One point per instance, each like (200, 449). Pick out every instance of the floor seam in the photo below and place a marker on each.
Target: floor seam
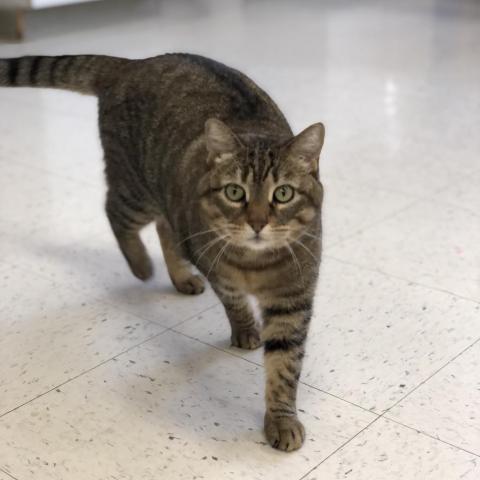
(84, 372)
(211, 307)
(397, 277)
(344, 444)
(260, 365)
(150, 338)
(422, 432)
(8, 474)
(372, 224)
(423, 382)
(103, 302)
(377, 415)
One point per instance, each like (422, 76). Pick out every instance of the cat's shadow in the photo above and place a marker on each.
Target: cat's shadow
(192, 373)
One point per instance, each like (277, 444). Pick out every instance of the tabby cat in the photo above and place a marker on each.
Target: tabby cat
(199, 149)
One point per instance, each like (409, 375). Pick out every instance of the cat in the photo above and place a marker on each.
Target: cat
(199, 149)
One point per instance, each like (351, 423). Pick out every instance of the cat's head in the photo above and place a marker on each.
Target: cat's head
(259, 194)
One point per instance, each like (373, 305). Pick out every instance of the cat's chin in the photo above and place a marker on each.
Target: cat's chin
(259, 245)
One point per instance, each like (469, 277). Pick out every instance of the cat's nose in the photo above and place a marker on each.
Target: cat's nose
(258, 225)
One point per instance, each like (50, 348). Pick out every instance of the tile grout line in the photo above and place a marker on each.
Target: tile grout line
(165, 330)
(372, 224)
(426, 434)
(385, 417)
(8, 474)
(431, 376)
(382, 416)
(344, 444)
(189, 317)
(233, 354)
(201, 312)
(84, 372)
(415, 199)
(391, 275)
(379, 416)
(101, 301)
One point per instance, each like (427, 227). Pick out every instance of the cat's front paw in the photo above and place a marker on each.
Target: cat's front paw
(190, 285)
(247, 339)
(142, 269)
(285, 433)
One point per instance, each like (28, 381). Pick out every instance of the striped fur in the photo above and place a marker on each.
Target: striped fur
(176, 130)
(81, 73)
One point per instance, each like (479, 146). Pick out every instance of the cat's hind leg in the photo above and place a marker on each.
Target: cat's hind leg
(178, 267)
(126, 219)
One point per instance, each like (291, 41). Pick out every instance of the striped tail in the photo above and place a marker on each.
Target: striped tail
(80, 73)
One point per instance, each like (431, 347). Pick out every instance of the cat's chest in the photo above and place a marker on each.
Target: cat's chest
(249, 281)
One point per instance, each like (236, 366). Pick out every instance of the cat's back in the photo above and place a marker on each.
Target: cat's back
(187, 89)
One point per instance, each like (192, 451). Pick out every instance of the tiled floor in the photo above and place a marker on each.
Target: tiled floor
(102, 377)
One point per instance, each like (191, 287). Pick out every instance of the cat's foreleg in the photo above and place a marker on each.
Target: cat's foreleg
(178, 267)
(245, 330)
(285, 332)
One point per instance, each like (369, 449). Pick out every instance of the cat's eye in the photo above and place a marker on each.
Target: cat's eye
(234, 192)
(283, 194)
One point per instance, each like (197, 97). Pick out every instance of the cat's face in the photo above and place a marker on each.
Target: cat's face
(260, 196)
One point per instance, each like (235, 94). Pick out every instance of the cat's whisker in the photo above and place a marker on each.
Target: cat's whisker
(216, 260)
(197, 234)
(316, 237)
(207, 247)
(295, 259)
(306, 248)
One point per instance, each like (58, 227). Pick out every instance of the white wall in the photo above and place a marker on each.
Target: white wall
(53, 3)
(37, 3)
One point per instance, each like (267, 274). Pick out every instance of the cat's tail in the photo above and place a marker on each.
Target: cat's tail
(80, 73)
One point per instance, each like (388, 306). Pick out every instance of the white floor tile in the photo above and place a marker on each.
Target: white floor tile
(389, 451)
(60, 140)
(448, 405)
(372, 338)
(349, 207)
(4, 476)
(431, 243)
(96, 267)
(172, 408)
(465, 194)
(33, 200)
(402, 122)
(51, 334)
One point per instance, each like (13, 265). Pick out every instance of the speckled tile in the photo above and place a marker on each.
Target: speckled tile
(372, 339)
(62, 140)
(389, 451)
(349, 207)
(402, 122)
(413, 165)
(51, 334)
(172, 408)
(431, 243)
(95, 266)
(448, 405)
(465, 193)
(4, 476)
(33, 200)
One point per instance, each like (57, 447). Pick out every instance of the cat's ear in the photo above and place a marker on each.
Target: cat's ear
(221, 142)
(307, 145)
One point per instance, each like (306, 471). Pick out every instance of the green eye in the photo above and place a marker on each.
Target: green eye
(234, 192)
(283, 194)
